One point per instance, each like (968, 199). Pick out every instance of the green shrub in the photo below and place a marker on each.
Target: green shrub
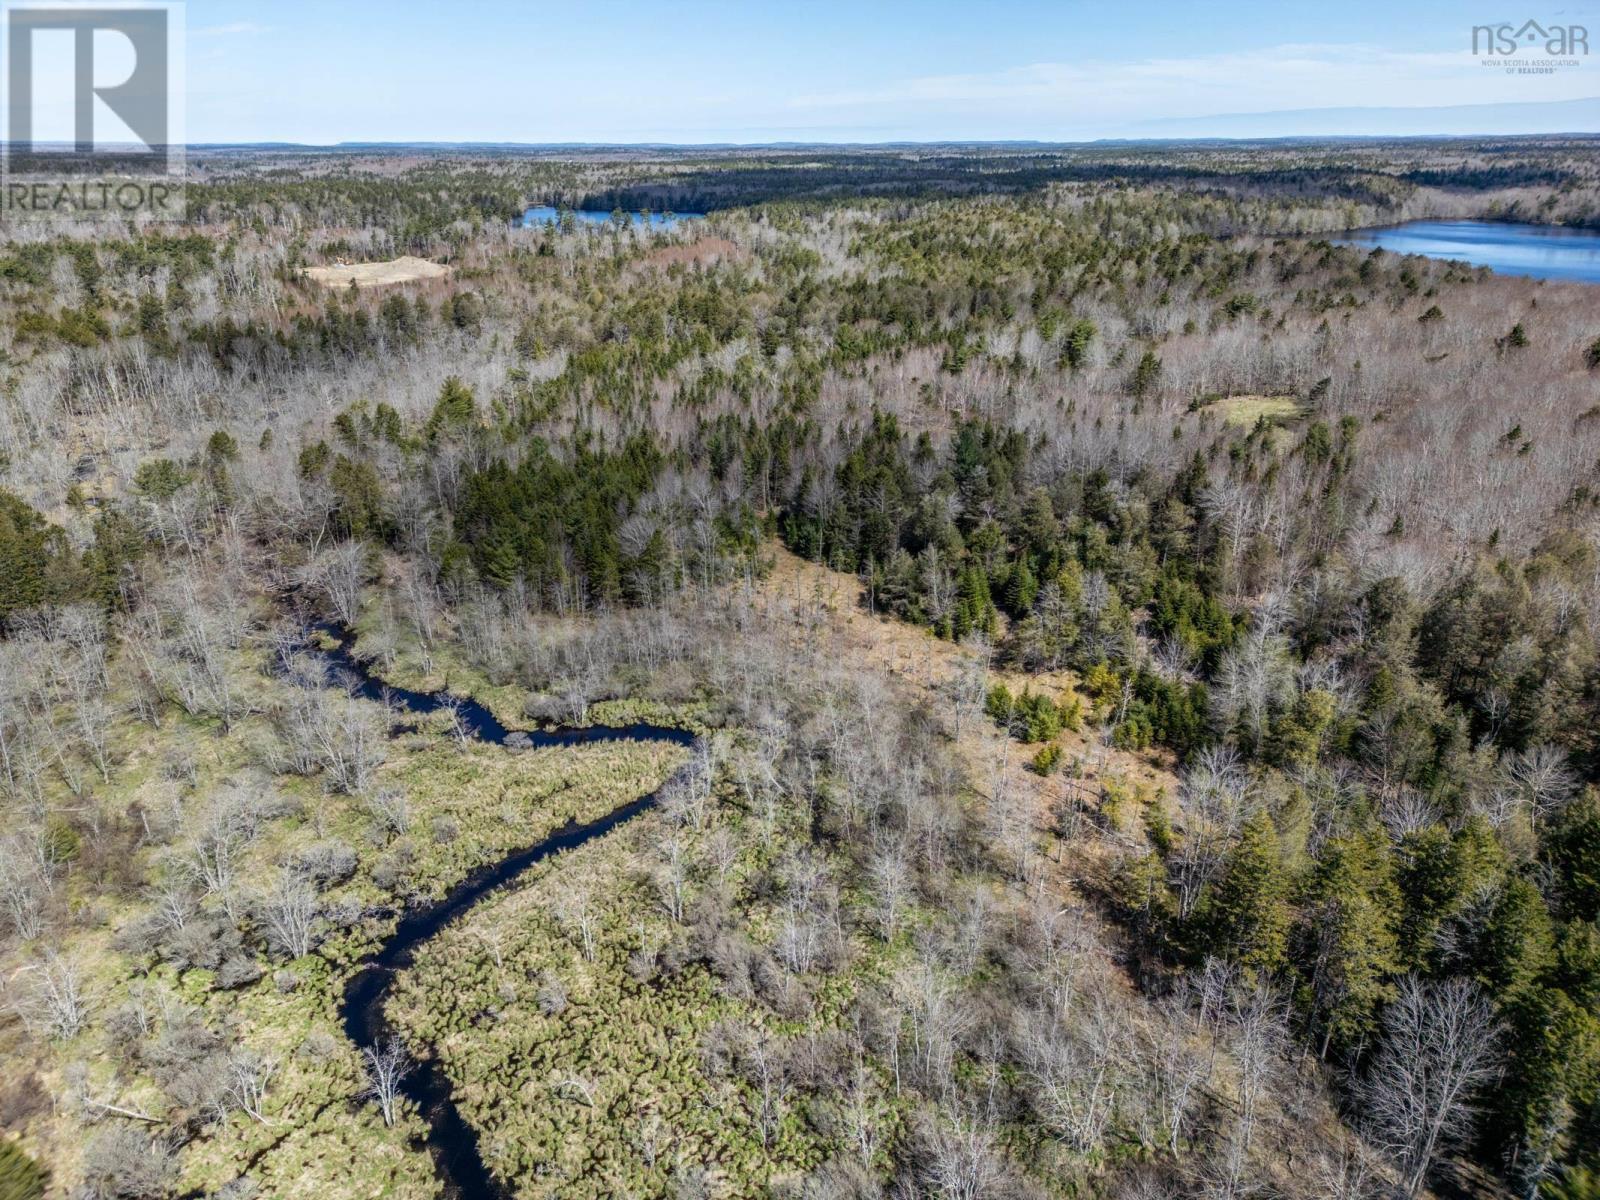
(1031, 717)
(20, 1177)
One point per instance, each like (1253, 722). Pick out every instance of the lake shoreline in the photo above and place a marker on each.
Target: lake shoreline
(1553, 253)
(538, 215)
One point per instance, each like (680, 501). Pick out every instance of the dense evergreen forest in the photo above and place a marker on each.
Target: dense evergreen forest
(1195, 791)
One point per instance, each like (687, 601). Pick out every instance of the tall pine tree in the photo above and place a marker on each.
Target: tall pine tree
(1245, 916)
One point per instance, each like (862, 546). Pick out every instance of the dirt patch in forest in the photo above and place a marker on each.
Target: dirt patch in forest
(701, 252)
(405, 269)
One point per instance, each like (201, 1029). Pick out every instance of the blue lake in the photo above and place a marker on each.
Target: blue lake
(543, 214)
(1537, 251)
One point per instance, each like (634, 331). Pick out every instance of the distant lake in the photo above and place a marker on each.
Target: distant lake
(1537, 251)
(544, 215)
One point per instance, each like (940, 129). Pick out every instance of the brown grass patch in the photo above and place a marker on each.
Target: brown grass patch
(922, 668)
(1244, 411)
(701, 252)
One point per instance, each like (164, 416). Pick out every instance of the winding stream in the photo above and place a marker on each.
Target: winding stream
(451, 1140)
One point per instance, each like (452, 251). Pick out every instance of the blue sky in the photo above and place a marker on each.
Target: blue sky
(837, 70)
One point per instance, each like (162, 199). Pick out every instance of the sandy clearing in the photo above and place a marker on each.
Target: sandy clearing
(405, 269)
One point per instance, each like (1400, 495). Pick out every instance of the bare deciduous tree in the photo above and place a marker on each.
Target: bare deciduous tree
(337, 574)
(342, 735)
(387, 1065)
(864, 1121)
(576, 914)
(1348, 1174)
(1074, 1072)
(1438, 1048)
(291, 915)
(53, 996)
(1182, 1070)
(121, 1161)
(672, 876)
(965, 1162)
(248, 1074)
(937, 1014)
(25, 881)
(1259, 1028)
(391, 810)
(1215, 802)
(454, 710)
(230, 823)
(1542, 780)
(892, 886)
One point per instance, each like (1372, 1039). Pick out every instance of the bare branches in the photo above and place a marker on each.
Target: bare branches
(52, 997)
(248, 1075)
(1215, 801)
(337, 575)
(1542, 781)
(576, 914)
(387, 1064)
(27, 872)
(339, 734)
(1075, 1071)
(291, 914)
(391, 810)
(1438, 1049)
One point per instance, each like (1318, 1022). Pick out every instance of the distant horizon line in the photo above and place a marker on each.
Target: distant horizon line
(1576, 118)
(810, 144)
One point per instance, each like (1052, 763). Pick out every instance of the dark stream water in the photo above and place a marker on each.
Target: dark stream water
(452, 1142)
